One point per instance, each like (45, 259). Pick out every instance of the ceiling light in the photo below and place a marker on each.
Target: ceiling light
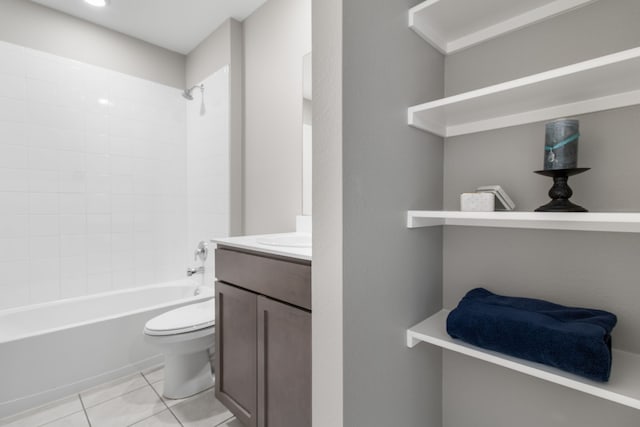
(97, 3)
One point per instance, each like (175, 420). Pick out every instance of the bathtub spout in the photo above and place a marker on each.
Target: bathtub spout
(192, 271)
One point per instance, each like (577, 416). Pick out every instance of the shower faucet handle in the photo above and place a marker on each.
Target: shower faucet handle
(202, 251)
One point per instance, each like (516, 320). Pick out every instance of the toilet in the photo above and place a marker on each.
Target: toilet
(184, 336)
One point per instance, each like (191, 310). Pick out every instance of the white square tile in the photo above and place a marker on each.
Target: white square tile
(43, 66)
(12, 133)
(73, 246)
(45, 291)
(47, 413)
(122, 203)
(46, 246)
(121, 165)
(71, 288)
(14, 180)
(98, 183)
(73, 225)
(121, 146)
(96, 124)
(42, 270)
(41, 91)
(98, 203)
(73, 268)
(14, 203)
(98, 264)
(98, 224)
(73, 203)
(123, 279)
(98, 164)
(73, 182)
(43, 159)
(126, 409)
(71, 139)
(12, 86)
(72, 161)
(43, 204)
(123, 262)
(13, 272)
(14, 226)
(13, 295)
(122, 223)
(44, 225)
(122, 184)
(98, 283)
(201, 410)
(13, 110)
(13, 248)
(112, 389)
(122, 243)
(97, 143)
(44, 181)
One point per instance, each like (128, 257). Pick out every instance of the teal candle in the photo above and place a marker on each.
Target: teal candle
(561, 144)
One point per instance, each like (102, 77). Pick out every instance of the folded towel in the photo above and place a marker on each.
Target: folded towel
(576, 340)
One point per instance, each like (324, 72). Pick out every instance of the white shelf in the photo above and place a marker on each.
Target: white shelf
(582, 221)
(453, 25)
(623, 386)
(603, 83)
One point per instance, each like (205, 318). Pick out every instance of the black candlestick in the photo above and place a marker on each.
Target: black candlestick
(560, 192)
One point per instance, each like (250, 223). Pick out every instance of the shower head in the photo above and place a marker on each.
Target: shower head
(188, 93)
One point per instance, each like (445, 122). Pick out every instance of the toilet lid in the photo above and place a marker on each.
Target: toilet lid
(189, 318)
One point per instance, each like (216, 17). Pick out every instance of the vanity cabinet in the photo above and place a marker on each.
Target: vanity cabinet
(263, 337)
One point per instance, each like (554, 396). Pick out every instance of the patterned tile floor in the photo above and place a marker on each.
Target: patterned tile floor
(135, 400)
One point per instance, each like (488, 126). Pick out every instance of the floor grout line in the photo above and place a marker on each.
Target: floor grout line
(227, 420)
(115, 397)
(162, 400)
(84, 409)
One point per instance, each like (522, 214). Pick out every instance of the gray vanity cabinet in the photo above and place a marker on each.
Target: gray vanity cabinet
(263, 338)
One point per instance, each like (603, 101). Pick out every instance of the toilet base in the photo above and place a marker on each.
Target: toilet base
(186, 374)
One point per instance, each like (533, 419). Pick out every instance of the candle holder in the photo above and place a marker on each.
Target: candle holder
(560, 192)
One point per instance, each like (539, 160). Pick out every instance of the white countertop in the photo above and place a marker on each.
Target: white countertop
(251, 243)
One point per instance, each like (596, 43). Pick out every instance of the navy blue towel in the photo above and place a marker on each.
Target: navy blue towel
(576, 340)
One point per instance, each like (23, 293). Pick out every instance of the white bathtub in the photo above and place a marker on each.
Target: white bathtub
(51, 350)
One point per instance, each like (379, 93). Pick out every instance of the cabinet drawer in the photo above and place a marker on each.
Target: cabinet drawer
(280, 279)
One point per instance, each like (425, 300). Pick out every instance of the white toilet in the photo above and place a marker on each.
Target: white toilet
(185, 336)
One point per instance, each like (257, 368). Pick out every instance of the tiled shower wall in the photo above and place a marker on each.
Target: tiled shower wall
(93, 179)
(208, 164)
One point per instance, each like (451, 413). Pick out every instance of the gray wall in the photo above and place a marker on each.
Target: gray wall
(391, 275)
(327, 195)
(276, 37)
(574, 268)
(32, 25)
(224, 46)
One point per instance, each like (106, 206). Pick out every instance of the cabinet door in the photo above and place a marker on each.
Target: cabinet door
(236, 339)
(284, 365)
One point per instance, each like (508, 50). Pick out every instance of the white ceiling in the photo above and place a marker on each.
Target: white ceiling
(177, 25)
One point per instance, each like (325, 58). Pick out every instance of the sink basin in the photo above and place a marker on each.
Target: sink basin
(292, 241)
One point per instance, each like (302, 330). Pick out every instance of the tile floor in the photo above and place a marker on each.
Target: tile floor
(135, 400)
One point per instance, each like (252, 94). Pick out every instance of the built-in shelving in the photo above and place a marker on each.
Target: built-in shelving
(623, 386)
(624, 222)
(453, 25)
(603, 83)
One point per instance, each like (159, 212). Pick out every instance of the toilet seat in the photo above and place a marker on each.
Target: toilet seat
(190, 318)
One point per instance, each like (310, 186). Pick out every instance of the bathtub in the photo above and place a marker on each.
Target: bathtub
(52, 350)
